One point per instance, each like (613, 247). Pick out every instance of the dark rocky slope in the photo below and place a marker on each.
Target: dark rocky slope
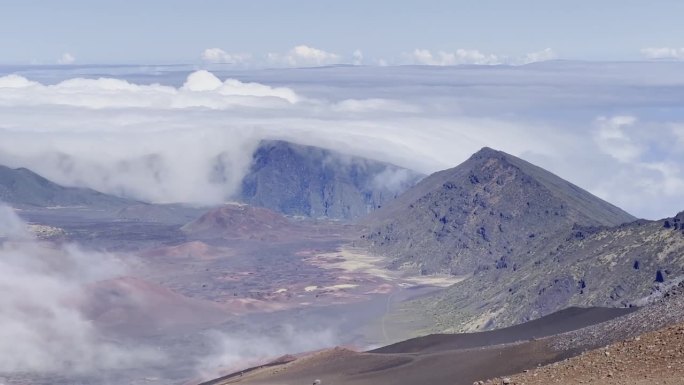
(619, 266)
(309, 181)
(493, 211)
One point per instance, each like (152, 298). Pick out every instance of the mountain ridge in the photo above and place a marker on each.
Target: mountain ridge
(482, 213)
(22, 186)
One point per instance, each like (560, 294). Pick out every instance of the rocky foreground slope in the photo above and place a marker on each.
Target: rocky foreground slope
(314, 182)
(492, 211)
(642, 348)
(653, 358)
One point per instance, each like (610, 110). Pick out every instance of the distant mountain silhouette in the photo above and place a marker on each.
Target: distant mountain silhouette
(24, 187)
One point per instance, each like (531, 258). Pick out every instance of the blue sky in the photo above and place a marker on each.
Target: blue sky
(175, 31)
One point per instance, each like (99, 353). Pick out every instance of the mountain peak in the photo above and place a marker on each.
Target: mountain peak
(482, 214)
(488, 152)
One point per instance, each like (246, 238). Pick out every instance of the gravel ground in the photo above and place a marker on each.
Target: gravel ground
(644, 347)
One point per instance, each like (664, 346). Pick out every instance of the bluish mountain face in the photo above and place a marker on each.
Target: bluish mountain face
(314, 182)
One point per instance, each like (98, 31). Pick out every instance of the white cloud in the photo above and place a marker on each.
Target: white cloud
(43, 328)
(217, 55)
(201, 89)
(205, 81)
(533, 57)
(151, 142)
(66, 58)
(304, 56)
(16, 81)
(611, 138)
(461, 56)
(307, 56)
(357, 58)
(473, 56)
(663, 53)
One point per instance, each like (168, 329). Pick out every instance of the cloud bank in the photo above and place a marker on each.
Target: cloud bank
(603, 126)
(41, 286)
(663, 53)
(307, 56)
(474, 57)
(298, 56)
(217, 55)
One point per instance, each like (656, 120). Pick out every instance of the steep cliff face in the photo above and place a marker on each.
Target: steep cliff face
(492, 211)
(309, 181)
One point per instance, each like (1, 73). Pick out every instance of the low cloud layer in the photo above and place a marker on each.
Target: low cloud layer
(41, 289)
(154, 136)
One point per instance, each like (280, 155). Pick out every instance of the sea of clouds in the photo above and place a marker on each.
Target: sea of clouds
(156, 133)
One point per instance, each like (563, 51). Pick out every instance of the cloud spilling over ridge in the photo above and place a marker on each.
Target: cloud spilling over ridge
(597, 125)
(41, 287)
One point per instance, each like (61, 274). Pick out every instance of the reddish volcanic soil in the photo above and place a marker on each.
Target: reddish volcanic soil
(239, 221)
(653, 358)
(437, 359)
(191, 250)
(135, 307)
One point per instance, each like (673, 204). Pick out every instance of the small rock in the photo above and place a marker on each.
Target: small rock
(506, 381)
